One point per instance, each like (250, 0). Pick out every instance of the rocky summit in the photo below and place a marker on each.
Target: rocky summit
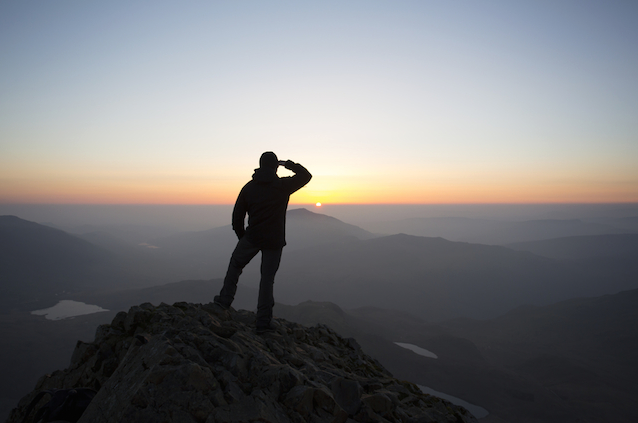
(193, 363)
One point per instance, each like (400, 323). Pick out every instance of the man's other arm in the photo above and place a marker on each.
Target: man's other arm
(300, 178)
(239, 215)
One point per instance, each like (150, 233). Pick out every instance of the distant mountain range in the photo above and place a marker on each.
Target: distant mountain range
(326, 260)
(498, 232)
(38, 263)
(583, 247)
(437, 279)
(205, 254)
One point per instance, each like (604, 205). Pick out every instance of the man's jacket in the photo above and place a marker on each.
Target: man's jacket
(265, 199)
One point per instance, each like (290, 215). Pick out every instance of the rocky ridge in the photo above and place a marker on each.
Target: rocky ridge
(193, 363)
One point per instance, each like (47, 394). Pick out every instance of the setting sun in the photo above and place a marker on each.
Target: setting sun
(318, 204)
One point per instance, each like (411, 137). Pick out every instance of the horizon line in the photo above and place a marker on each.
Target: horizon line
(338, 204)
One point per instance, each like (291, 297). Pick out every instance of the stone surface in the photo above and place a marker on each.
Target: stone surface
(194, 363)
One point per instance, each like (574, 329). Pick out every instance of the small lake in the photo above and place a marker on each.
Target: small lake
(67, 309)
(478, 412)
(418, 350)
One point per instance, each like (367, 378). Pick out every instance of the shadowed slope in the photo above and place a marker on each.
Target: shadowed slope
(37, 261)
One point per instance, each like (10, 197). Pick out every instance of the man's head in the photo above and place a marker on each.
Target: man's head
(269, 160)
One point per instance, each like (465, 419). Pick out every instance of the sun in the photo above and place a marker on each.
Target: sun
(318, 204)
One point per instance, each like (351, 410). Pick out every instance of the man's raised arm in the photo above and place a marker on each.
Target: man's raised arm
(300, 178)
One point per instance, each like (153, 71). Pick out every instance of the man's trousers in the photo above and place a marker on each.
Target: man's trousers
(242, 255)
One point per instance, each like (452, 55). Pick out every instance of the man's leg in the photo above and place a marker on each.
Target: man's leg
(244, 252)
(269, 265)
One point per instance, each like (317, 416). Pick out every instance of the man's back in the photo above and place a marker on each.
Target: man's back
(265, 199)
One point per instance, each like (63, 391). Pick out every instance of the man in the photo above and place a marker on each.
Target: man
(265, 199)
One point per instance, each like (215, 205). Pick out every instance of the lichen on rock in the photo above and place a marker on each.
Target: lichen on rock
(194, 363)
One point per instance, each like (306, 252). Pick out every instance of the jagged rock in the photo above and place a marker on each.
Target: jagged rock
(191, 363)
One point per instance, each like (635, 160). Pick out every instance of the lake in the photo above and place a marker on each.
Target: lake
(66, 309)
(417, 349)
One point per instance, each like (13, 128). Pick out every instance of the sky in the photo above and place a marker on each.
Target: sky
(385, 102)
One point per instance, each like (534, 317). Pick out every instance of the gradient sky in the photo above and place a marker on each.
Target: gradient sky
(383, 101)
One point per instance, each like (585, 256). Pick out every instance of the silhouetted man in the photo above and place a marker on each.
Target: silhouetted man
(265, 199)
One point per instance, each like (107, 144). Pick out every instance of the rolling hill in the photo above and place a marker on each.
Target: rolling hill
(435, 278)
(38, 262)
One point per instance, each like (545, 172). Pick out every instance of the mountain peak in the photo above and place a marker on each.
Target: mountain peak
(301, 210)
(305, 213)
(196, 363)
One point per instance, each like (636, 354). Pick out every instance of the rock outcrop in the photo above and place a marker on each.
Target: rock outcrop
(192, 363)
